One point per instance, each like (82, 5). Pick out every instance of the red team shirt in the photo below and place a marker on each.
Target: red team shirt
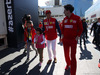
(50, 29)
(71, 27)
(26, 34)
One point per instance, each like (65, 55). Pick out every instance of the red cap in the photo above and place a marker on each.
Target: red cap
(48, 11)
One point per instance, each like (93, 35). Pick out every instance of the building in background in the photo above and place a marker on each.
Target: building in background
(53, 2)
(80, 5)
(94, 1)
(56, 12)
(3, 26)
(93, 12)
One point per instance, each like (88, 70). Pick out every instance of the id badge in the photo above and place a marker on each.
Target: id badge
(30, 38)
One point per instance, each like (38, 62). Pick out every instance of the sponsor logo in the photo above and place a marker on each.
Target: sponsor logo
(68, 26)
(50, 22)
(74, 21)
(45, 23)
(50, 27)
(65, 21)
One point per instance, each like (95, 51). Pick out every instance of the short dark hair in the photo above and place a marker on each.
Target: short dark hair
(39, 29)
(83, 19)
(99, 18)
(69, 7)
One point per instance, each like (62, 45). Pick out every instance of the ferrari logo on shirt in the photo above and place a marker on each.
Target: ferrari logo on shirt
(71, 20)
(74, 21)
(50, 27)
(50, 22)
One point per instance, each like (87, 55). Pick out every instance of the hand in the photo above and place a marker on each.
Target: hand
(25, 45)
(77, 38)
(32, 43)
(25, 42)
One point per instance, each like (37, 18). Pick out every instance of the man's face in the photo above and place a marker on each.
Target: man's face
(48, 15)
(66, 12)
(98, 20)
(83, 20)
(28, 25)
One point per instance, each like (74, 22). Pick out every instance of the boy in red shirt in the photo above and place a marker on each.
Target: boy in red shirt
(29, 34)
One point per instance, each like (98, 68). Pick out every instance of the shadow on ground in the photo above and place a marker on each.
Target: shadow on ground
(5, 67)
(22, 69)
(8, 51)
(44, 72)
(88, 42)
(85, 54)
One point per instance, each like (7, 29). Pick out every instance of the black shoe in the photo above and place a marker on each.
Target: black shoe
(49, 62)
(55, 60)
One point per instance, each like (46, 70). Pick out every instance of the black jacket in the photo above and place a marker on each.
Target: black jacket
(94, 27)
(84, 27)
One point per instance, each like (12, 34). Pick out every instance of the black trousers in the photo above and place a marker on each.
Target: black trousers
(82, 37)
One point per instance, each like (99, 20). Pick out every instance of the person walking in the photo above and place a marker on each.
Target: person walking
(29, 34)
(83, 35)
(96, 28)
(98, 34)
(50, 25)
(24, 26)
(93, 28)
(39, 40)
(40, 25)
(71, 30)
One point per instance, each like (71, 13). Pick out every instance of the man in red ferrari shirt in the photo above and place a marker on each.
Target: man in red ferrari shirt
(71, 30)
(50, 27)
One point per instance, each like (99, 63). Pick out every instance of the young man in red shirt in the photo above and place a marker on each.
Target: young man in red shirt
(71, 30)
(50, 26)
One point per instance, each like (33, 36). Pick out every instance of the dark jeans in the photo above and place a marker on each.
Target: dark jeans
(40, 51)
(28, 48)
(82, 37)
(98, 40)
